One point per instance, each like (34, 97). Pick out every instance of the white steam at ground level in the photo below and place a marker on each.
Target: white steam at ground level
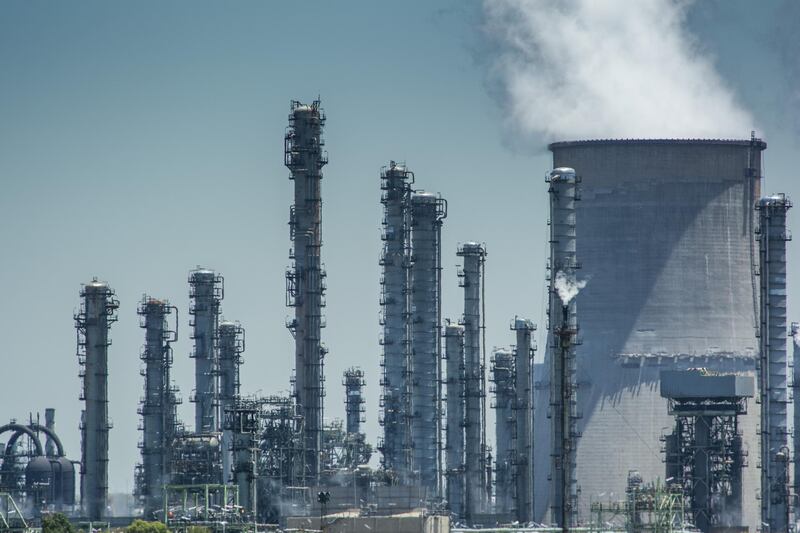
(607, 68)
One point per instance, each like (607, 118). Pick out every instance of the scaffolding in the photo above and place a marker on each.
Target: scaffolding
(563, 323)
(92, 323)
(454, 429)
(231, 346)
(158, 407)
(773, 384)
(280, 449)
(206, 291)
(427, 213)
(523, 419)
(242, 419)
(504, 390)
(647, 508)
(396, 181)
(305, 279)
(475, 453)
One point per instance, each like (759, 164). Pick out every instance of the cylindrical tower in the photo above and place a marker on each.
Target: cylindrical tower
(563, 326)
(476, 499)
(98, 311)
(158, 408)
(305, 285)
(354, 399)
(50, 424)
(454, 430)
(427, 212)
(773, 367)
(795, 332)
(206, 290)
(231, 347)
(523, 419)
(504, 396)
(667, 244)
(396, 183)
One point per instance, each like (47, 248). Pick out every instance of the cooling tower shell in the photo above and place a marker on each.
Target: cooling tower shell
(665, 238)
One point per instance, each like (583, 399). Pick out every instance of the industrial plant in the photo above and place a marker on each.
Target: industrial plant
(658, 402)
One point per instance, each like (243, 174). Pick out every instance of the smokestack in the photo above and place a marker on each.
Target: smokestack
(772, 237)
(50, 423)
(504, 394)
(305, 287)
(206, 290)
(427, 213)
(92, 322)
(231, 347)
(523, 419)
(475, 459)
(454, 431)
(396, 263)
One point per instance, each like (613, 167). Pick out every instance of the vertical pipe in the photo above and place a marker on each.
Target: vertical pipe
(523, 417)
(504, 395)
(50, 423)
(305, 287)
(205, 291)
(396, 183)
(474, 256)
(157, 404)
(562, 316)
(773, 370)
(92, 323)
(231, 346)
(426, 216)
(454, 440)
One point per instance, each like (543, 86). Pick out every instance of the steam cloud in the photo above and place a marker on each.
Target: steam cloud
(567, 286)
(598, 69)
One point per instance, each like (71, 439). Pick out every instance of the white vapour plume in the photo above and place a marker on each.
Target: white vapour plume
(576, 69)
(567, 286)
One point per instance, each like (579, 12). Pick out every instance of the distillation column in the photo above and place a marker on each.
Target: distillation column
(206, 290)
(795, 331)
(427, 212)
(562, 315)
(354, 399)
(231, 347)
(523, 419)
(93, 322)
(772, 237)
(504, 390)
(454, 430)
(305, 286)
(476, 497)
(396, 197)
(158, 409)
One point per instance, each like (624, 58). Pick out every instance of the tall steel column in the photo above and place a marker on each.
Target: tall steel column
(92, 324)
(772, 237)
(523, 419)
(562, 317)
(231, 347)
(305, 287)
(427, 212)
(354, 399)
(472, 277)
(795, 332)
(504, 396)
(206, 290)
(158, 406)
(396, 183)
(454, 430)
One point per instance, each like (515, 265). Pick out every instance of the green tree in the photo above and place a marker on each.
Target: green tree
(56, 523)
(141, 526)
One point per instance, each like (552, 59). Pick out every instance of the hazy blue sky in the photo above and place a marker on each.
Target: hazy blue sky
(140, 139)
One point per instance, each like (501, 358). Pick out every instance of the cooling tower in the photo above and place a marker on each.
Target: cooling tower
(667, 246)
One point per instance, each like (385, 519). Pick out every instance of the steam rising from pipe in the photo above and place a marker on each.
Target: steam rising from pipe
(589, 69)
(567, 286)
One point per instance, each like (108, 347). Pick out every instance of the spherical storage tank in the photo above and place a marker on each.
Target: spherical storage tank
(665, 238)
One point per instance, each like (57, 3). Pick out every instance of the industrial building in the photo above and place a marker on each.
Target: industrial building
(660, 402)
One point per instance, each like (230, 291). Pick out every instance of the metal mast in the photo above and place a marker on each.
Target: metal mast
(305, 285)
(454, 430)
(92, 323)
(395, 259)
(427, 212)
(206, 290)
(472, 278)
(504, 391)
(158, 409)
(231, 347)
(772, 237)
(562, 315)
(523, 417)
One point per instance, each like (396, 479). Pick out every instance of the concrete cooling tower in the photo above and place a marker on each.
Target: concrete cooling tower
(665, 238)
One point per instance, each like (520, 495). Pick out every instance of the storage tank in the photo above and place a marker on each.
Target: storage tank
(667, 246)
